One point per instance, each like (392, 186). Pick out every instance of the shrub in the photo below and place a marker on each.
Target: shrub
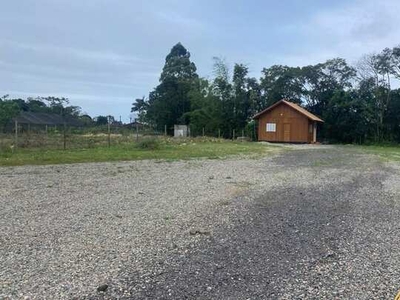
(148, 144)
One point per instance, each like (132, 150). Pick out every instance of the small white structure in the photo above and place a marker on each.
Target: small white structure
(181, 131)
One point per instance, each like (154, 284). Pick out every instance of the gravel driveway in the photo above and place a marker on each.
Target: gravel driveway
(314, 222)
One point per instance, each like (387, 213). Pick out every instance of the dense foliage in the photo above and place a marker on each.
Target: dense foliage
(357, 103)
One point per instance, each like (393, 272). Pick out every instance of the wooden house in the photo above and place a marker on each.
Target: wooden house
(287, 122)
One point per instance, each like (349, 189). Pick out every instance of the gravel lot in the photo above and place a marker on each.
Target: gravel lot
(315, 222)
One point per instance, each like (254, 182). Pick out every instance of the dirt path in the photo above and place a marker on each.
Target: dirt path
(311, 223)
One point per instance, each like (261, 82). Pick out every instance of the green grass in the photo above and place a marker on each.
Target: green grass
(169, 150)
(389, 153)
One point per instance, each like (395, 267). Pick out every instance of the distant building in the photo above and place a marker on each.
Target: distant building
(287, 122)
(35, 118)
(181, 131)
(134, 124)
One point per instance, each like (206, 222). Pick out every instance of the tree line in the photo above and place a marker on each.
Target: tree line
(357, 103)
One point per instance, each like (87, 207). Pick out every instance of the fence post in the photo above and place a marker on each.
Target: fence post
(65, 136)
(242, 133)
(28, 136)
(233, 135)
(165, 130)
(137, 132)
(219, 133)
(203, 132)
(16, 134)
(109, 132)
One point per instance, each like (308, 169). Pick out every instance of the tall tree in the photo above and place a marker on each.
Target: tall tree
(396, 61)
(321, 81)
(241, 101)
(222, 88)
(392, 119)
(36, 105)
(376, 69)
(101, 120)
(56, 104)
(347, 117)
(205, 110)
(254, 95)
(280, 82)
(170, 99)
(140, 106)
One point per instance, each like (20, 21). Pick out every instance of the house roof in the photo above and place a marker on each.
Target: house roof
(292, 105)
(45, 119)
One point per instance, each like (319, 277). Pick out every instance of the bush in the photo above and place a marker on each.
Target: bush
(149, 144)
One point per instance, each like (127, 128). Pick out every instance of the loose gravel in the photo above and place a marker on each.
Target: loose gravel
(315, 222)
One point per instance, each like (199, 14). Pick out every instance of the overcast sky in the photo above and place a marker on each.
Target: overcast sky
(102, 54)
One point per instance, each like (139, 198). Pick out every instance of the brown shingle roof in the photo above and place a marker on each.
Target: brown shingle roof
(292, 105)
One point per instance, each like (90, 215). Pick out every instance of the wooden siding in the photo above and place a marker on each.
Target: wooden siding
(291, 125)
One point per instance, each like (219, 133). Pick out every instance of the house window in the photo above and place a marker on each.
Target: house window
(310, 128)
(271, 127)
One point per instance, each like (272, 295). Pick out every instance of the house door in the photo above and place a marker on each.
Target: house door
(286, 132)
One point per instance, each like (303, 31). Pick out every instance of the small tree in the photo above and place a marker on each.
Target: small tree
(101, 120)
(8, 110)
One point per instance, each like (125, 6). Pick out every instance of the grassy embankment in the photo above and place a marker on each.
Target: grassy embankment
(389, 153)
(166, 149)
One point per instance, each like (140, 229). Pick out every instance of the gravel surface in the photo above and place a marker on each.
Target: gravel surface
(315, 222)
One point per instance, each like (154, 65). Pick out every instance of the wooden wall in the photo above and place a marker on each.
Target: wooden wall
(291, 126)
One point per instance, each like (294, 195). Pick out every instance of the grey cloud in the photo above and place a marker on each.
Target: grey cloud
(103, 53)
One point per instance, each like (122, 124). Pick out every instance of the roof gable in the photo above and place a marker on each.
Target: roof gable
(292, 105)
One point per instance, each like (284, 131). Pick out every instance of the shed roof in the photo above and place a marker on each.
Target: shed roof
(292, 105)
(34, 118)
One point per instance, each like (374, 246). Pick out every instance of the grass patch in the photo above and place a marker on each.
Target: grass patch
(149, 144)
(389, 153)
(168, 149)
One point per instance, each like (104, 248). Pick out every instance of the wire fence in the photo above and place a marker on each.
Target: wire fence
(26, 136)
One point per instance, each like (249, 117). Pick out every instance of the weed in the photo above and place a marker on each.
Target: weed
(149, 144)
